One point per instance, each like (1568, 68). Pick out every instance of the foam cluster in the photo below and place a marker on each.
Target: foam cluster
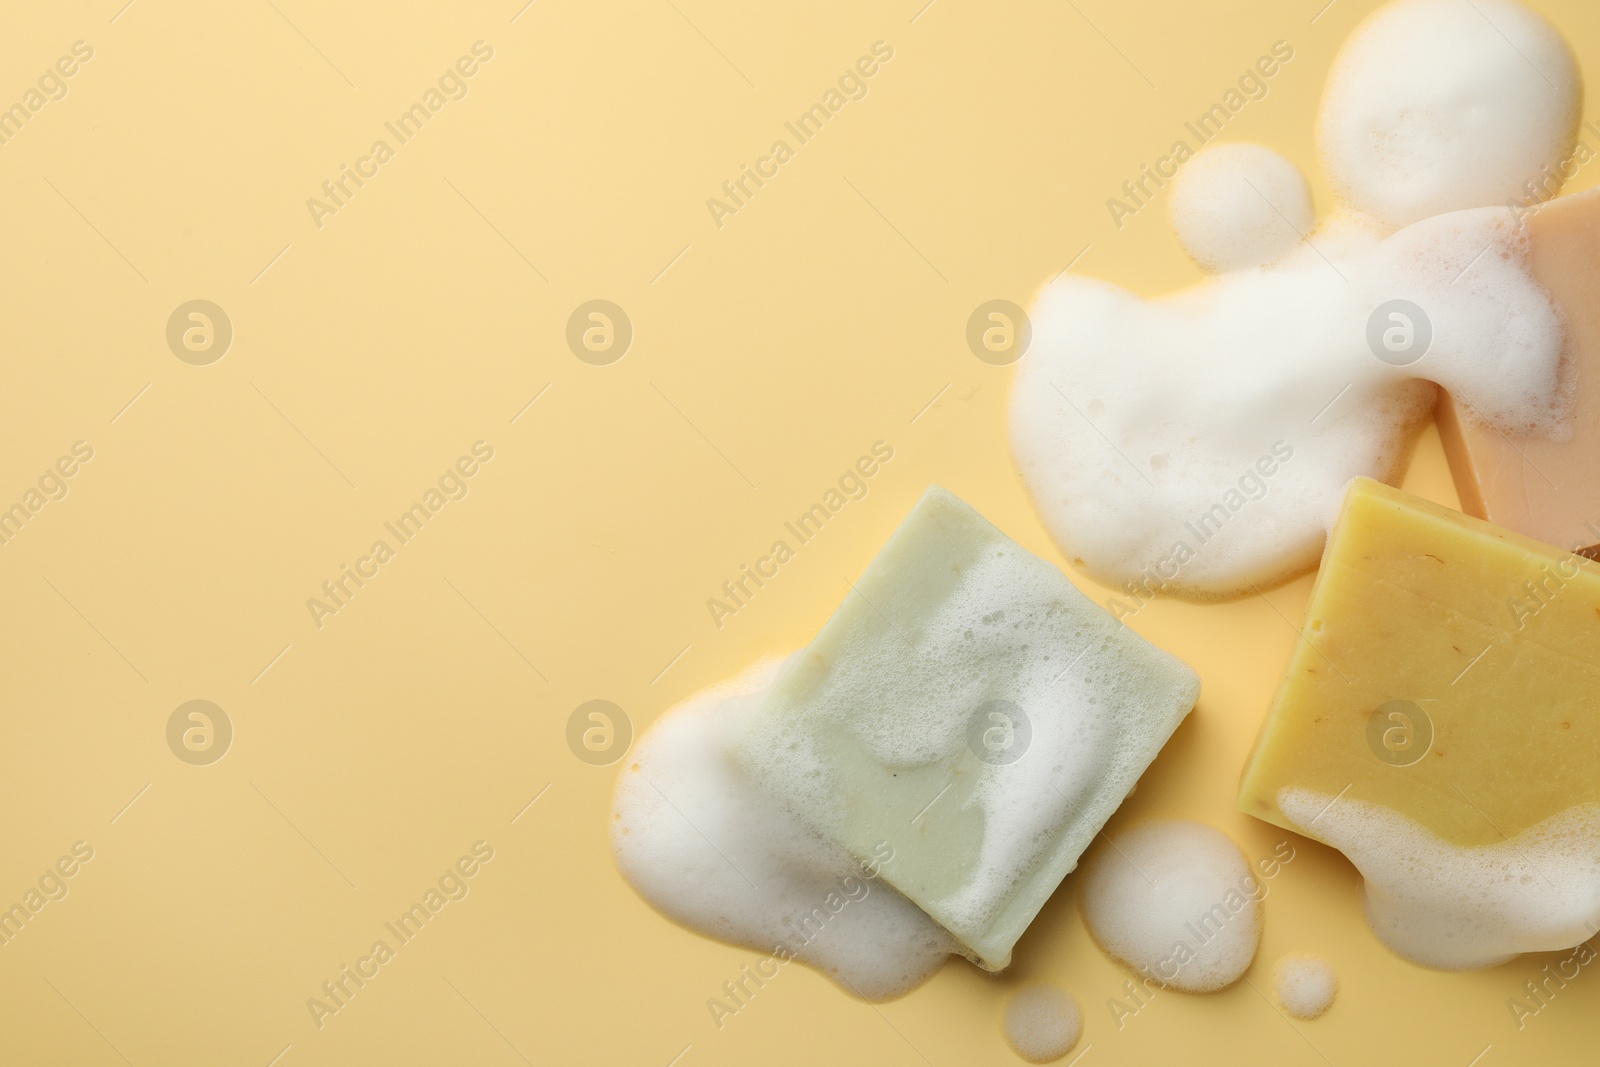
(1458, 907)
(713, 851)
(1176, 901)
(1199, 444)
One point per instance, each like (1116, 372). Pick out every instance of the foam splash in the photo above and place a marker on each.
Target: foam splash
(1199, 444)
(714, 852)
(1176, 901)
(1457, 908)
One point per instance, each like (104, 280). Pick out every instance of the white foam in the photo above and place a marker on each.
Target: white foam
(1455, 907)
(1304, 985)
(1176, 901)
(1438, 105)
(1132, 421)
(1239, 205)
(1042, 1022)
(1254, 397)
(713, 851)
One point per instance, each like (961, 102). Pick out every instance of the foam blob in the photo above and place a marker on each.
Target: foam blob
(1176, 901)
(1042, 1022)
(1438, 105)
(714, 852)
(1199, 444)
(1454, 907)
(1304, 985)
(1239, 205)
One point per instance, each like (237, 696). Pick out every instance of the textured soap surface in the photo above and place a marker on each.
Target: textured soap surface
(970, 709)
(1450, 672)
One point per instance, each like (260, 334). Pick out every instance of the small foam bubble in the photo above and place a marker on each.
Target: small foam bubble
(1176, 901)
(1304, 985)
(1239, 205)
(1454, 907)
(1042, 1022)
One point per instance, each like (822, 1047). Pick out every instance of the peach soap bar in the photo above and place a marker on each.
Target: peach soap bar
(1449, 672)
(965, 723)
(1545, 488)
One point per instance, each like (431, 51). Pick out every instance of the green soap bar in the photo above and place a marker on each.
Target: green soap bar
(970, 715)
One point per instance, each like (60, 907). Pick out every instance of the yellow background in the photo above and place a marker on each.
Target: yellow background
(370, 353)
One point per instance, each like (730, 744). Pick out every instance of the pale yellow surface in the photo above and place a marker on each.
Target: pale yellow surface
(824, 316)
(1498, 726)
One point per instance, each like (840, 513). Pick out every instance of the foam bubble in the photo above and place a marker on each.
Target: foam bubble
(1239, 205)
(1437, 105)
(713, 851)
(1176, 901)
(1042, 1022)
(1454, 907)
(1304, 985)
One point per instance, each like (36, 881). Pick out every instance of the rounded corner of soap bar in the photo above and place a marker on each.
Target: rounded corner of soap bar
(1189, 696)
(996, 965)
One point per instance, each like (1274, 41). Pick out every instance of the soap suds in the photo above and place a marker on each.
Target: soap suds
(1199, 444)
(710, 849)
(1176, 901)
(1304, 985)
(1454, 907)
(1438, 105)
(1239, 205)
(1042, 1022)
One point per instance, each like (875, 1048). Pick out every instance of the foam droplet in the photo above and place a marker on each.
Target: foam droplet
(1176, 901)
(1042, 1022)
(1304, 985)
(1239, 205)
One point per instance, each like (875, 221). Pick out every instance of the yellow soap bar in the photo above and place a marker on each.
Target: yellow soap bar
(1449, 670)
